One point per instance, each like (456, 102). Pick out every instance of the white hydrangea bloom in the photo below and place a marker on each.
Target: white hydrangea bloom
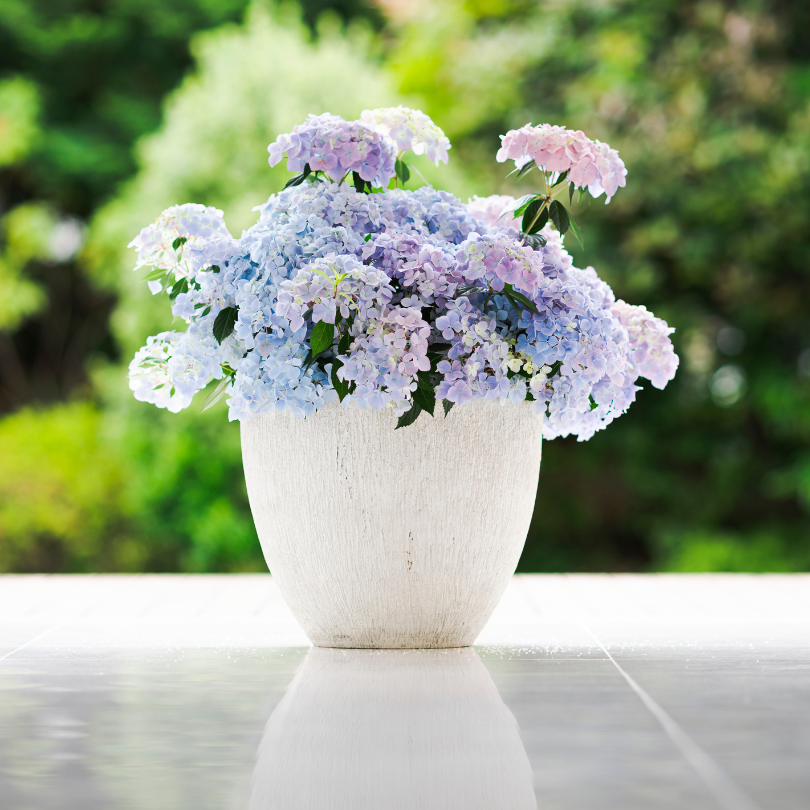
(173, 366)
(409, 129)
(192, 222)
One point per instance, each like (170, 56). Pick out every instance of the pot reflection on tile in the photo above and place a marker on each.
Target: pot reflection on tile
(371, 729)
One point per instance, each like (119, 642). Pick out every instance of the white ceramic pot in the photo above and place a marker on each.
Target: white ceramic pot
(392, 730)
(384, 538)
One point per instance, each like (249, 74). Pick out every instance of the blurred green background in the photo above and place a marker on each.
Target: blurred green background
(111, 110)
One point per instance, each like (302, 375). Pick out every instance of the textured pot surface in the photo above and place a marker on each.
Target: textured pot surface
(384, 538)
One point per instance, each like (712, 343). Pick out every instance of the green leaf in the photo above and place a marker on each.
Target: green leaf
(299, 178)
(447, 405)
(217, 394)
(425, 394)
(367, 237)
(520, 298)
(439, 346)
(205, 312)
(594, 406)
(179, 287)
(576, 231)
(224, 323)
(520, 205)
(559, 216)
(181, 240)
(561, 179)
(155, 274)
(402, 170)
(296, 180)
(571, 194)
(534, 219)
(341, 386)
(533, 240)
(423, 380)
(320, 340)
(524, 169)
(214, 268)
(409, 417)
(359, 183)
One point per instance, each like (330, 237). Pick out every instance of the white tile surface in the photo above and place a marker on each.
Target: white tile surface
(629, 691)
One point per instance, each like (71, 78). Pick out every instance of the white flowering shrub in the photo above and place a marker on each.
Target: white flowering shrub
(352, 289)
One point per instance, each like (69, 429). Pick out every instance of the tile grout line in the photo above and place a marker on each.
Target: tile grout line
(78, 615)
(35, 638)
(725, 790)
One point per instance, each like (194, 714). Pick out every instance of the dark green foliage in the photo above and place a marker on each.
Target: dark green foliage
(182, 287)
(341, 386)
(402, 171)
(518, 300)
(559, 216)
(534, 219)
(320, 340)
(409, 417)
(299, 178)
(362, 186)
(224, 323)
(425, 394)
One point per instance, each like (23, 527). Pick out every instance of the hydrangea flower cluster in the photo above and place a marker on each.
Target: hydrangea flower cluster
(589, 164)
(393, 299)
(409, 129)
(328, 143)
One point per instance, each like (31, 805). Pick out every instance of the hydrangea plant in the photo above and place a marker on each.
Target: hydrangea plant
(351, 288)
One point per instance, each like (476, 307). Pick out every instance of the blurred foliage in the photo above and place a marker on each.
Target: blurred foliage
(183, 504)
(707, 102)
(19, 110)
(709, 105)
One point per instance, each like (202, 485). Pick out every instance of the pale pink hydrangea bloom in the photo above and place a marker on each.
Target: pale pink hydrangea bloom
(409, 129)
(489, 209)
(590, 164)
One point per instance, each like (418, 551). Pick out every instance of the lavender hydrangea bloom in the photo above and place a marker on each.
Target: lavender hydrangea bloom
(651, 353)
(409, 295)
(329, 144)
